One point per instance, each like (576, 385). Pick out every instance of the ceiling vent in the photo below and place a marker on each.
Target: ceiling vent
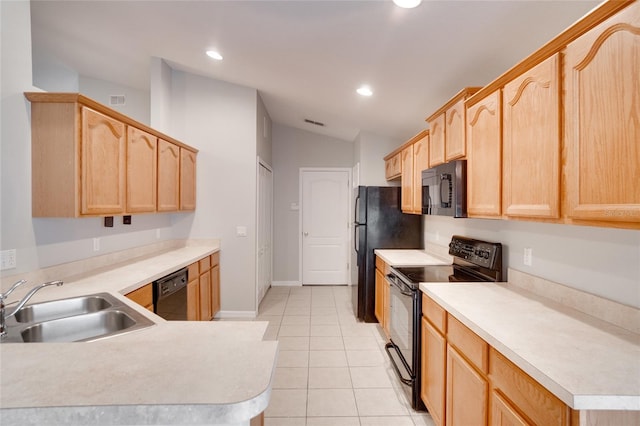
(115, 100)
(317, 123)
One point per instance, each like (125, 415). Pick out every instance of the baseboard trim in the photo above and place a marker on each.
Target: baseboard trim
(236, 314)
(286, 284)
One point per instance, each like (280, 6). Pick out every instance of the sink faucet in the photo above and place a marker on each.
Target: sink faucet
(25, 299)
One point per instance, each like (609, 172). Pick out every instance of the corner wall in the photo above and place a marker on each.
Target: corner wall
(219, 119)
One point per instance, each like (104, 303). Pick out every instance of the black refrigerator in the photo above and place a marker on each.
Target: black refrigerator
(379, 224)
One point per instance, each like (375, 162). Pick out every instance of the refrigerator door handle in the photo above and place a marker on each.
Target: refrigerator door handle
(355, 211)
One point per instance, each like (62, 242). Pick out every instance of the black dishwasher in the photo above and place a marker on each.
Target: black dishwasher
(170, 296)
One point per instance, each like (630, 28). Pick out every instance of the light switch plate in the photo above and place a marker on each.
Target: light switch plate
(241, 231)
(8, 259)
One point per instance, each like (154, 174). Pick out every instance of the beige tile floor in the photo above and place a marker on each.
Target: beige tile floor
(331, 369)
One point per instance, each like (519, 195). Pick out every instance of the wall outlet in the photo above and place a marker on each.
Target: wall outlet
(8, 260)
(157, 233)
(528, 256)
(96, 244)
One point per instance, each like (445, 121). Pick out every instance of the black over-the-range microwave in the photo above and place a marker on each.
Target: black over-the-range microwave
(444, 189)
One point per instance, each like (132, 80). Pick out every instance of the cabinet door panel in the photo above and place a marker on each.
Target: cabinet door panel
(467, 392)
(531, 145)
(187, 180)
(143, 296)
(455, 146)
(434, 367)
(531, 398)
(602, 127)
(168, 176)
(215, 290)
(420, 163)
(141, 171)
(392, 167)
(102, 164)
(205, 296)
(503, 414)
(407, 179)
(484, 157)
(436, 142)
(193, 300)
(379, 297)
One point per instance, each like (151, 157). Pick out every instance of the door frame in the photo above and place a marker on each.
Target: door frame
(347, 259)
(262, 163)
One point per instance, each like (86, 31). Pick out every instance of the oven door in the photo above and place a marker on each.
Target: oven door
(402, 329)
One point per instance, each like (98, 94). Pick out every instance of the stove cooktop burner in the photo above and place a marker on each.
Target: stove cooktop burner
(423, 274)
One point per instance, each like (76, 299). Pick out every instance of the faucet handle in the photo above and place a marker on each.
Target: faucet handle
(13, 287)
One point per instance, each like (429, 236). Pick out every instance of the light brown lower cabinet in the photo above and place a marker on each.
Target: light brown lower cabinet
(215, 290)
(467, 392)
(536, 404)
(503, 414)
(475, 384)
(434, 367)
(193, 292)
(379, 299)
(382, 294)
(203, 289)
(143, 296)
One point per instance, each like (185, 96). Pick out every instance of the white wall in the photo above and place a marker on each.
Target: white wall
(44, 242)
(370, 152)
(52, 76)
(601, 261)
(160, 95)
(219, 119)
(136, 101)
(293, 149)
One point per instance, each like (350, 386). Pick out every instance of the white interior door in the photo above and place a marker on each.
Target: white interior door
(325, 226)
(265, 227)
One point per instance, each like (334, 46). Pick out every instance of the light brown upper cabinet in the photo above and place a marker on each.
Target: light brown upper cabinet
(141, 171)
(187, 180)
(602, 122)
(406, 197)
(90, 160)
(531, 142)
(168, 176)
(484, 157)
(420, 163)
(437, 143)
(102, 164)
(392, 166)
(414, 156)
(447, 129)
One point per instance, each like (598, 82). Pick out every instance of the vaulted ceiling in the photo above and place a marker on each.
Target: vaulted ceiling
(308, 57)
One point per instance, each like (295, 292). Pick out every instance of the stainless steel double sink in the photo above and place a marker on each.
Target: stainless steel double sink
(75, 319)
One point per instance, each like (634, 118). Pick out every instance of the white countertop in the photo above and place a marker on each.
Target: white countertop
(174, 372)
(393, 257)
(586, 362)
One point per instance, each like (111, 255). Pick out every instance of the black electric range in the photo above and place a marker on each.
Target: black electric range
(473, 261)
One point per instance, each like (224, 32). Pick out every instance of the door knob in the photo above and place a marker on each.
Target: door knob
(305, 233)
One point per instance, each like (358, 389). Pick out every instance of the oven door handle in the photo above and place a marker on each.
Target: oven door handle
(387, 347)
(402, 287)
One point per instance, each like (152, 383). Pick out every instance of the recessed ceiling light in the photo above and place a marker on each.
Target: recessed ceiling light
(215, 55)
(407, 4)
(364, 91)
